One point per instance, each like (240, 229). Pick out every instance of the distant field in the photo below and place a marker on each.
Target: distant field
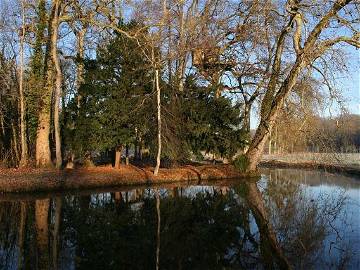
(348, 159)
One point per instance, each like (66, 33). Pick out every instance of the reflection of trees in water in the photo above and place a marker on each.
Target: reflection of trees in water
(211, 229)
(302, 221)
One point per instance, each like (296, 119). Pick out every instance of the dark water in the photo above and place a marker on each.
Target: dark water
(289, 218)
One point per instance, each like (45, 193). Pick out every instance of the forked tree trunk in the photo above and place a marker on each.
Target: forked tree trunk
(272, 103)
(58, 82)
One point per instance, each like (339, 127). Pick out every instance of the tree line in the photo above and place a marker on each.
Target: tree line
(169, 79)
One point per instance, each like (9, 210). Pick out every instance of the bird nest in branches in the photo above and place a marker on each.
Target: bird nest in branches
(209, 59)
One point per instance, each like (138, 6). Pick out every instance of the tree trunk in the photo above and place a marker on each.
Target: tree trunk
(15, 144)
(24, 148)
(118, 151)
(127, 155)
(156, 171)
(43, 152)
(80, 65)
(42, 233)
(58, 82)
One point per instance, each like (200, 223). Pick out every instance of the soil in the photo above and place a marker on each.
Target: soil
(45, 180)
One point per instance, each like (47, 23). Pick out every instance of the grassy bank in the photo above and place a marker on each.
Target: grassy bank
(344, 163)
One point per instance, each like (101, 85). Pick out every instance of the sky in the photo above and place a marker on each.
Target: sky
(351, 83)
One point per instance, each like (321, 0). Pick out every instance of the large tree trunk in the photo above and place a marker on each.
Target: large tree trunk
(24, 148)
(43, 152)
(58, 82)
(118, 151)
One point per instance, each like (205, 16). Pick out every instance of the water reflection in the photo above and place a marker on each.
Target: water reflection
(282, 221)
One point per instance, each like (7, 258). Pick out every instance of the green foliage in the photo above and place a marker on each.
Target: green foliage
(114, 97)
(212, 124)
(241, 162)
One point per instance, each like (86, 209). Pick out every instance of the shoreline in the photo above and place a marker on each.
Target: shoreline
(49, 180)
(332, 168)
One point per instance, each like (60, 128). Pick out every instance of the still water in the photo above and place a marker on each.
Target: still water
(287, 219)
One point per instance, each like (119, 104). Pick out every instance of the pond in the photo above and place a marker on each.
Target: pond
(287, 219)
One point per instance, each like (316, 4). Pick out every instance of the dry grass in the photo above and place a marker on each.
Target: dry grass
(341, 159)
(32, 180)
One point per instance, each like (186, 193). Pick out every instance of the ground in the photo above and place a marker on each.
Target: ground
(31, 180)
(347, 163)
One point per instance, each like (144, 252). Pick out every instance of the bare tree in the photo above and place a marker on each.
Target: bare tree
(313, 47)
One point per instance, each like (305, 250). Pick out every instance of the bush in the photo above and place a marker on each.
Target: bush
(241, 163)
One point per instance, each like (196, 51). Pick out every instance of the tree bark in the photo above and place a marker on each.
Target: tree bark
(80, 65)
(118, 151)
(43, 152)
(158, 157)
(15, 143)
(24, 148)
(58, 82)
(127, 155)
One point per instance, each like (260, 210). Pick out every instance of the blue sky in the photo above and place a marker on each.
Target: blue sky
(351, 83)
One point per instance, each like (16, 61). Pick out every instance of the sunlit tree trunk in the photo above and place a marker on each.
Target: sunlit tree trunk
(158, 96)
(118, 151)
(24, 148)
(58, 82)
(43, 152)
(80, 65)
(15, 142)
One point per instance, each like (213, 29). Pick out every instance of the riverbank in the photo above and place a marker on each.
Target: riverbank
(37, 180)
(350, 170)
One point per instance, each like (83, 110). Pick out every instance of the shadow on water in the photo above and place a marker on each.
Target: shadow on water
(289, 219)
